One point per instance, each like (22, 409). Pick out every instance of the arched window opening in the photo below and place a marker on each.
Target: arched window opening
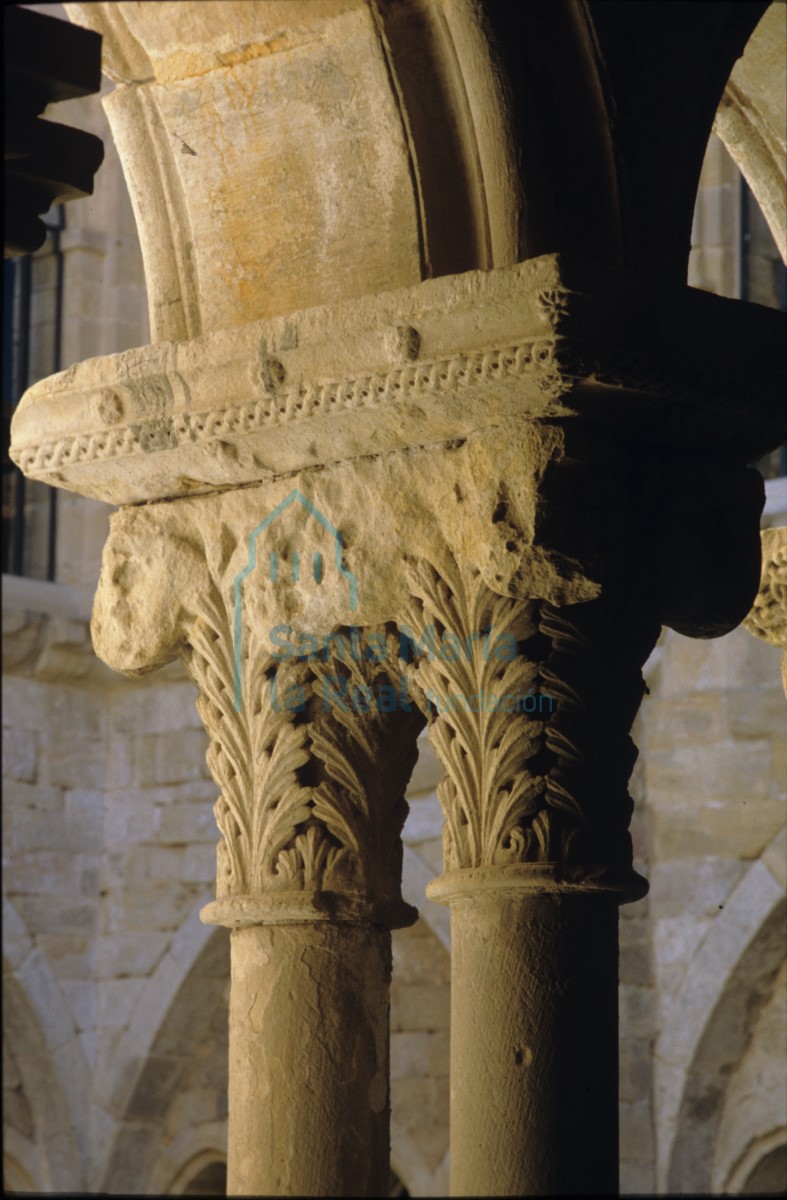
(769, 1177)
(211, 1180)
(203, 1175)
(733, 251)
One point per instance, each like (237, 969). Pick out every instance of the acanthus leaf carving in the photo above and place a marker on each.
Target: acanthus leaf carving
(312, 795)
(488, 794)
(768, 617)
(254, 756)
(364, 760)
(546, 781)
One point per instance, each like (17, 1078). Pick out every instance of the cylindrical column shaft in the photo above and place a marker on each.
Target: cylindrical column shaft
(534, 1051)
(309, 1060)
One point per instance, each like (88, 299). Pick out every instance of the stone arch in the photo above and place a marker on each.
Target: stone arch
(754, 1117)
(757, 1153)
(451, 162)
(17, 942)
(413, 182)
(50, 1151)
(197, 1169)
(20, 1162)
(153, 1004)
(194, 1026)
(751, 119)
(52, 1065)
(20, 1153)
(728, 982)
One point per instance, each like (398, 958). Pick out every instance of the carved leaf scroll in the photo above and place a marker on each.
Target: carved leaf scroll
(547, 781)
(312, 795)
(488, 795)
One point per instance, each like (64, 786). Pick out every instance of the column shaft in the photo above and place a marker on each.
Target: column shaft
(534, 1051)
(308, 1060)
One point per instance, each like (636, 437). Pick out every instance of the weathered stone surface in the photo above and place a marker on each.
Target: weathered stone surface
(752, 118)
(768, 617)
(333, 983)
(495, 348)
(647, 367)
(528, 1059)
(19, 755)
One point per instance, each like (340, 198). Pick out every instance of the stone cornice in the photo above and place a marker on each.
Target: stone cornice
(422, 365)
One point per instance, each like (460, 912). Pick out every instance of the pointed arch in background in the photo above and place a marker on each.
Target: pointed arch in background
(49, 1157)
(763, 1169)
(132, 1050)
(203, 1175)
(194, 1025)
(725, 987)
(752, 119)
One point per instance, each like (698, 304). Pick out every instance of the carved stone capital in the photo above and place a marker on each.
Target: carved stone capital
(551, 542)
(530, 708)
(768, 617)
(553, 449)
(312, 789)
(312, 773)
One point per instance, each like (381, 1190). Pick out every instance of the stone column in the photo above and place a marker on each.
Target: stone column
(311, 810)
(531, 721)
(312, 773)
(534, 1037)
(308, 1059)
